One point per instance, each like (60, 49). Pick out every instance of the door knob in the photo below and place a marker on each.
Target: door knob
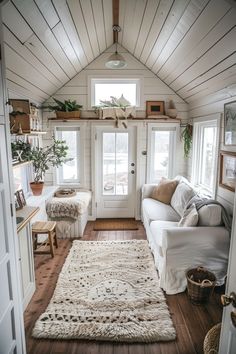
(132, 164)
(233, 318)
(132, 171)
(229, 299)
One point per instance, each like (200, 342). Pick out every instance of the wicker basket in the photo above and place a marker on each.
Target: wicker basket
(200, 284)
(68, 115)
(212, 339)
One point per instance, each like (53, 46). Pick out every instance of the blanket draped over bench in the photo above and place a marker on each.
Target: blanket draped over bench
(71, 214)
(68, 207)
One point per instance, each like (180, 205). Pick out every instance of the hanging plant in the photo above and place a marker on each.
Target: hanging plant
(187, 136)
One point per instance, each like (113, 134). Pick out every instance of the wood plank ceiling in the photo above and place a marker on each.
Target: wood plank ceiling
(189, 44)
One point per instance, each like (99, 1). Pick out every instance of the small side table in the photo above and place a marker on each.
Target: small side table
(48, 228)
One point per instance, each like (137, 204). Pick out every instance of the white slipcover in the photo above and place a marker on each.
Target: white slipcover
(155, 210)
(177, 249)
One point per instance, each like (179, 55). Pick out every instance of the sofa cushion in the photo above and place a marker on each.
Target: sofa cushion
(181, 197)
(157, 228)
(190, 217)
(210, 215)
(155, 210)
(164, 190)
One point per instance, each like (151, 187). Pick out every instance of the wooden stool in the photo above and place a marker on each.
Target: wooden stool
(48, 228)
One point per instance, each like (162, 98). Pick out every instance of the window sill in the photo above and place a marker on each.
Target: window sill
(48, 192)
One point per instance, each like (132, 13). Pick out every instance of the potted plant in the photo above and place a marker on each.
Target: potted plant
(42, 159)
(66, 110)
(187, 136)
(20, 150)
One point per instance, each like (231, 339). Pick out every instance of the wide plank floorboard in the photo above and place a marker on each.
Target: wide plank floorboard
(191, 322)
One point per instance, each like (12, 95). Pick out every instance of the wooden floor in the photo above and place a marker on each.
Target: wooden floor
(191, 322)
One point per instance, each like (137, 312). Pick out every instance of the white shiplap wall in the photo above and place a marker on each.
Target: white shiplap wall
(153, 89)
(209, 106)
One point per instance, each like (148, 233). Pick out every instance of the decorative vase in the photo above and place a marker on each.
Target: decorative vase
(172, 112)
(37, 187)
(68, 115)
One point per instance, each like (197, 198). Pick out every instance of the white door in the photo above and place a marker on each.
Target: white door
(11, 313)
(11, 318)
(115, 173)
(228, 330)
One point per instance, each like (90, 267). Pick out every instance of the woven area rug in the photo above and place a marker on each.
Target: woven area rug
(110, 224)
(107, 290)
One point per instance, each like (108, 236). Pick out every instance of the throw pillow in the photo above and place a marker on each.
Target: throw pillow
(181, 197)
(190, 217)
(164, 190)
(210, 215)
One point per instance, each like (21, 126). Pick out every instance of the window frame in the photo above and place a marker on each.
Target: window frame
(93, 80)
(197, 154)
(171, 127)
(80, 153)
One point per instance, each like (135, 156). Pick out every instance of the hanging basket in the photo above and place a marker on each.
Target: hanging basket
(200, 285)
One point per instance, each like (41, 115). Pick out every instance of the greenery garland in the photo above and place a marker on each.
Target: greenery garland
(187, 136)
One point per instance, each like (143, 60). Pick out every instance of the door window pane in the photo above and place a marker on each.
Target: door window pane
(161, 156)
(109, 159)
(115, 163)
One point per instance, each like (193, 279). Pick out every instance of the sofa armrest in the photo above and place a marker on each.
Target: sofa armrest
(196, 237)
(147, 190)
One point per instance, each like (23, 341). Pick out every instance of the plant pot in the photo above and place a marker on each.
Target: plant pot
(68, 115)
(37, 187)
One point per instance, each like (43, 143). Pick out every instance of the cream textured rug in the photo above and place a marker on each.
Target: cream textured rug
(107, 290)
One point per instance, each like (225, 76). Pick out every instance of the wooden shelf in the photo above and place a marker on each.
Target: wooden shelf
(23, 163)
(161, 119)
(31, 133)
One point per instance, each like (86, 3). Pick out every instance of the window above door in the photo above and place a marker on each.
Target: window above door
(104, 88)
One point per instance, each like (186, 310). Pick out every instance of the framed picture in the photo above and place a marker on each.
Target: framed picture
(21, 197)
(228, 170)
(155, 109)
(230, 123)
(18, 204)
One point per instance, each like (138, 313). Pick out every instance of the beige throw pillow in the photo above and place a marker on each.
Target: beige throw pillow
(164, 190)
(190, 217)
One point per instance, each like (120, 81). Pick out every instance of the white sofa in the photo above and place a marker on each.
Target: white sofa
(177, 249)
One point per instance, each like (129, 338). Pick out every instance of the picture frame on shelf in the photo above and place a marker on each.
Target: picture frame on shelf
(230, 123)
(18, 204)
(154, 109)
(21, 197)
(227, 170)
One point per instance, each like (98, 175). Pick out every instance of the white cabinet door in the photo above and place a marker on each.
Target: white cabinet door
(27, 264)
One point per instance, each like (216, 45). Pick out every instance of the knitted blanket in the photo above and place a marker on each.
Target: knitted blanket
(200, 202)
(68, 207)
